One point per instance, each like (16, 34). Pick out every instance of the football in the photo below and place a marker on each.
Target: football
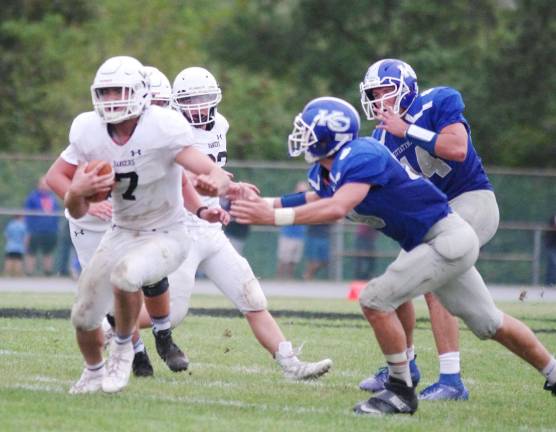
(106, 168)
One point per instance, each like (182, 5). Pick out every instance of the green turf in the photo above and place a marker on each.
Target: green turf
(234, 385)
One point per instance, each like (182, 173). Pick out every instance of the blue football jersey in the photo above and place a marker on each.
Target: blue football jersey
(401, 204)
(435, 109)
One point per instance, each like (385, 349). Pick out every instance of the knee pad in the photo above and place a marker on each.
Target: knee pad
(484, 326)
(156, 289)
(253, 296)
(82, 319)
(122, 278)
(370, 297)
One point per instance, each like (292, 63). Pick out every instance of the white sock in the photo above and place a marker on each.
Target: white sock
(122, 340)
(161, 323)
(138, 346)
(449, 363)
(410, 353)
(549, 371)
(398, 367)
(95, 367)
(285, 354)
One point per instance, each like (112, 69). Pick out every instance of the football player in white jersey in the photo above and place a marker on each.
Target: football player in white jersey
(148, 148)
(87, 232)
(196, 94)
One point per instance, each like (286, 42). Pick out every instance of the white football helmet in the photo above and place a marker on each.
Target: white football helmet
(126, 76)
(196, 94)
(161, 90)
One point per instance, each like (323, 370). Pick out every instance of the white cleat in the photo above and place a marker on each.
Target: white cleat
(301, 370)
(118, 367)
(295, 369)
(89, 382)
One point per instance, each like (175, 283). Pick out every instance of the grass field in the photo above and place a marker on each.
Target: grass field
(234, 385)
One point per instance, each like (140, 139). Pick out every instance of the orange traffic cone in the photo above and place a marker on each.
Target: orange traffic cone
(355, 288)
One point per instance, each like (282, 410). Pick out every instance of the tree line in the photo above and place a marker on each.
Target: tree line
(272, 56)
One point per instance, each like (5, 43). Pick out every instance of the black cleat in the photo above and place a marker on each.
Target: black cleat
(550, 388)
(396, 398)
(168, 351)
(141, 365)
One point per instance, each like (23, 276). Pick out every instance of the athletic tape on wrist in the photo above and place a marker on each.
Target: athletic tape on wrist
(269, 201)
(422, 137)
(284, 216)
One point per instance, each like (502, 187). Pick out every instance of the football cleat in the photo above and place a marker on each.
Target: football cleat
(550, 388)
(301, 370)
(89, 382)
(438, 391)
(168, 351)
(376, 382)
(396, 398)
(141, 365)
(118, 367)
(295, 369)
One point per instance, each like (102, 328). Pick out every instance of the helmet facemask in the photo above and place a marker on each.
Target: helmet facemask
(120, 90)
(301, 138)
(388, 73)
(372, 105)
(198, 107)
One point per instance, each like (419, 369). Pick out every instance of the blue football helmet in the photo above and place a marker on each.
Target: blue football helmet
(386, 73)
(322, 128)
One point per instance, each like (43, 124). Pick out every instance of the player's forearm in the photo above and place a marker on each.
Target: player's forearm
(317, 212)
(58, 182)
(451, 147)
(221, 178)
(191, 198)
(292, 200)
(76, 204)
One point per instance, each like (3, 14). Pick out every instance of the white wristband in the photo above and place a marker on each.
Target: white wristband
(269, 201)
(284, 216)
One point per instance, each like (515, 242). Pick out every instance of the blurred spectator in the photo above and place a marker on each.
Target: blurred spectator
(237, 233)
(290, 244)
(64, 250)
(290, 249)
(42, 230)
(14, 234)
(317, 249)
(364, 243)
(550, 245)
